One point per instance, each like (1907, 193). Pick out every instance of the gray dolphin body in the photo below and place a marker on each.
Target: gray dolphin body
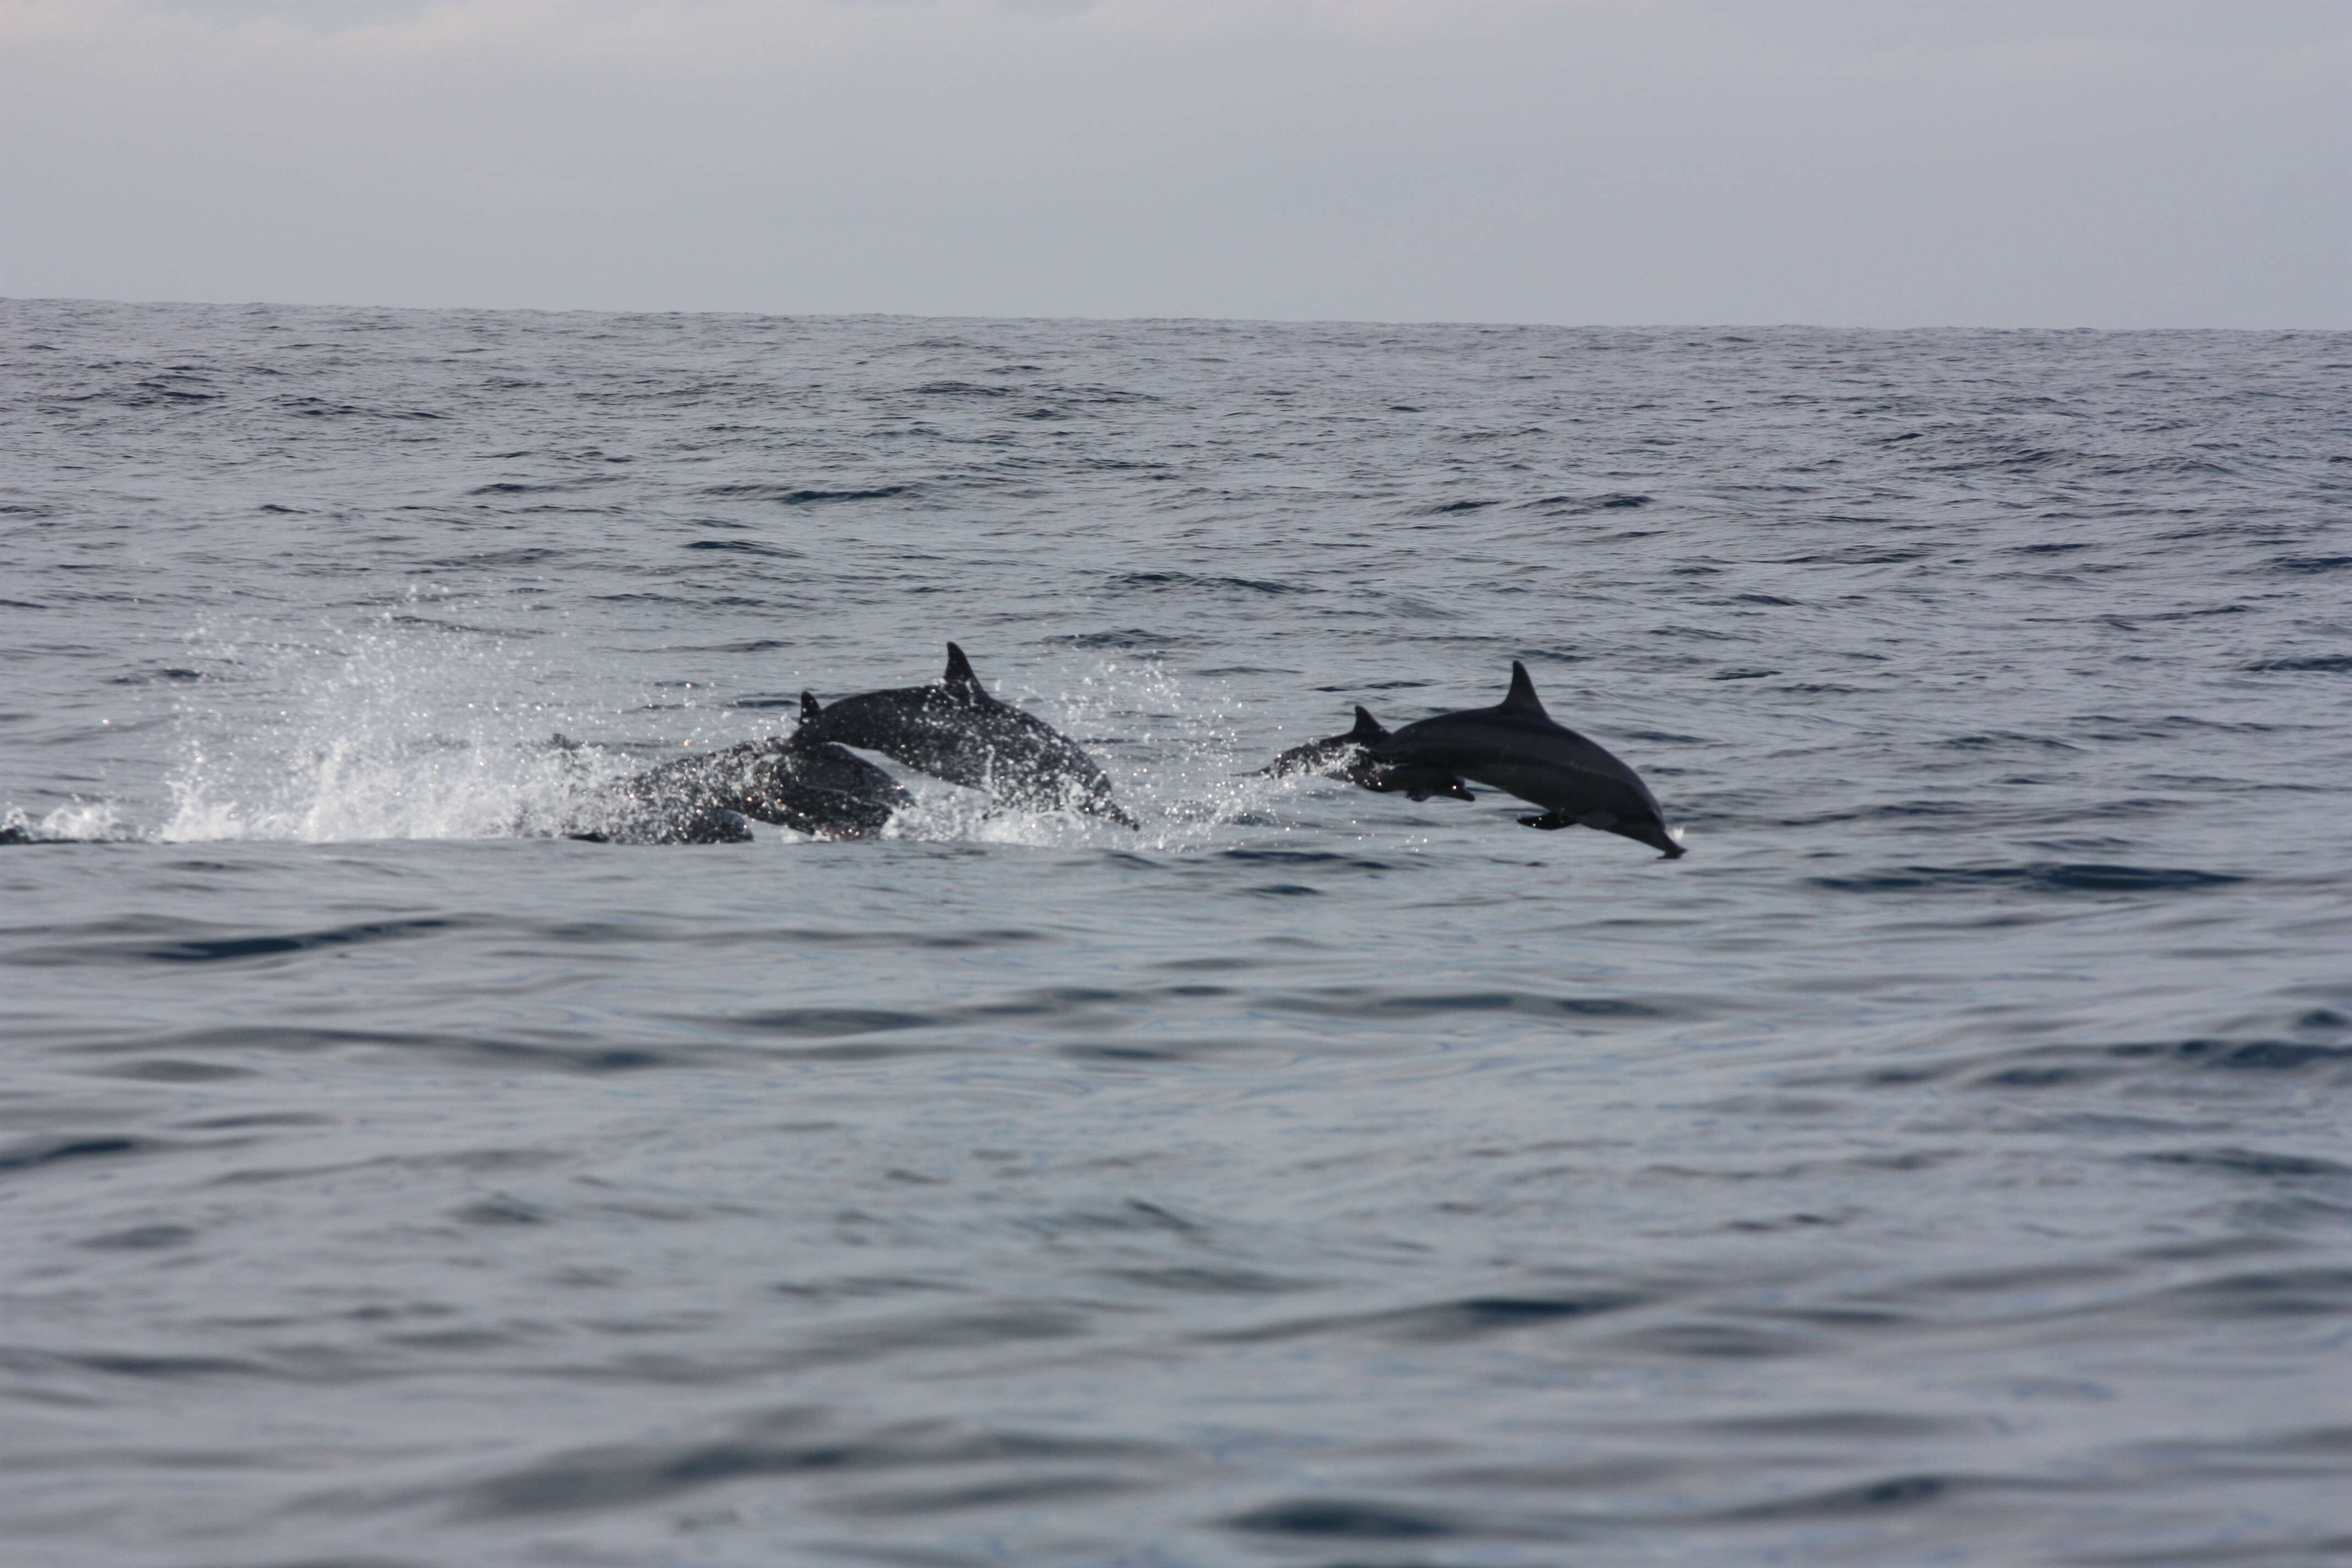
(1516, 747)
(953, 730)
(806, 786)
(1350, 757)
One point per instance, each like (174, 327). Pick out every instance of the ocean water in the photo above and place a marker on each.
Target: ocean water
(1946, 1162)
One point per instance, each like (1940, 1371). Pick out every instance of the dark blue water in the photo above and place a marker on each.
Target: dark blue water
(1947, 1163)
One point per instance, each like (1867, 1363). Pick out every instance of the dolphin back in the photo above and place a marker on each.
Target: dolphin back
(954, 730)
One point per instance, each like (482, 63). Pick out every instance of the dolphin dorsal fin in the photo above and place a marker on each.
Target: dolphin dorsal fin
(1521, 697)
(810, 706)
(1367, 727)
(959, 676)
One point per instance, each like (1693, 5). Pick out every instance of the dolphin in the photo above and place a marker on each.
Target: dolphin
(810, 786)
(953, 730)
(1516, 747)
(1350, 757)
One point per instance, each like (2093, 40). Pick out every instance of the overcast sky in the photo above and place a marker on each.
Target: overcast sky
(1870, 163)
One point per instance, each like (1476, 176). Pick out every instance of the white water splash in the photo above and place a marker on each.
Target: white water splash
(390, 732)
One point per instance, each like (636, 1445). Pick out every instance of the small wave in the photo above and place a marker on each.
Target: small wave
(1608, 500)
(2243, 1055)
(1369, 1003)
(1160, 580)
(548, 1050)
(1838, 1502)
(1308, 857)
(24, 1156)
(805, 495)
(2262, 1294)
(528, 556)
(1858, 555)
(2246, 1163)
(1105, 395)
(319, 408)
(1344, 1518)
(747, 547)
(2007, 738)
(829, 1023)
(996, 1467)
(187, 941)
(2317, 664)
(2039, 879)
(1453, 1321)
(1127, 636)
(2040, 1070)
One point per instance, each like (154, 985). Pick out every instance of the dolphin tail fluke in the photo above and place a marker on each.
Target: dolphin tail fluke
(960, 676)
(1521, 697)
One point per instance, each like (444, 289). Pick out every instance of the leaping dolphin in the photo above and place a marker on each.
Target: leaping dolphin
(953, 730)
(1516, 747)
(1350, 757)
(803, 784)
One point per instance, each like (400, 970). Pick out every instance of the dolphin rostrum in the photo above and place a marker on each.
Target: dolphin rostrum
(953, 730)
(1516, 747)
(806, 786)
(1350, 757)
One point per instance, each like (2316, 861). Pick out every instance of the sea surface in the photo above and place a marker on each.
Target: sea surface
(1949, 1161)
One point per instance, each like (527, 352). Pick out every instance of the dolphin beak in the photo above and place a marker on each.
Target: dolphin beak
(1654, 833)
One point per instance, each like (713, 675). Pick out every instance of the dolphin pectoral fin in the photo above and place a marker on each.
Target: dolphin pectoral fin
(960, 676)
(1550, 822)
